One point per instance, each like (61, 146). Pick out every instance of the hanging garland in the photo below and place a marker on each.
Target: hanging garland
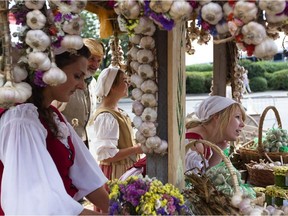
(41, 32)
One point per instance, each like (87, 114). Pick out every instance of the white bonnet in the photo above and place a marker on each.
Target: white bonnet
(212, 105)
(105, 81)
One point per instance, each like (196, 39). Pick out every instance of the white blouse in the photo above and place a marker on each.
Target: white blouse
(106, 129)
(31, 183)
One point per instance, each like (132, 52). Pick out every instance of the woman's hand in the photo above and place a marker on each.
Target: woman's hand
(138, 149)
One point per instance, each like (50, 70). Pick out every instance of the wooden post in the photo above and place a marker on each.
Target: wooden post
(176, 104)
(219, 69)
(171, 106)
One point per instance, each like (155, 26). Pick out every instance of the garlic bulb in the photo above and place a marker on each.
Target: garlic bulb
(253, 33)
(136, 94)
(153, 142)
(137, 108)
(140, 137)
(23, 90)
(134, 65)
(145, 26)
(137, 121)
(7, 93)
(276, 18)
(222, 28)
(54, 76)
(160, 6)
(149, 86)
(72, 42)
(145, 149)
(34, 4)
(121, 22)
(19, 74)
(136, 80)
(135, 39)
(39, 61)
(37, 40)
(180, 9)
(227, 9)
(35, 19)
(74, 26)
(145, 56)
(162, 148)
(78, 6)
(130, 9)
(132, 53)
(147, 42)
(148, 129)
(212, 13)
(2, 80)
(245, 11)
(146, 71)
(272, 7)
(265, 50)
(148, 100)
(149, 114)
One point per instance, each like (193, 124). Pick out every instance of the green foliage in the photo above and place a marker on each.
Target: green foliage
(270, 66)
(268, 77)
(258, 84)
(279, 80)
(198, 82)
(199, 67)
(92, 25)
(254, 70)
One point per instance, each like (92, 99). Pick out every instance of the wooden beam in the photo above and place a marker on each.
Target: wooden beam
(176, 104)
(219, 69)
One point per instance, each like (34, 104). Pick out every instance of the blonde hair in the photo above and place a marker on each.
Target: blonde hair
(224, 116)
(95, 46)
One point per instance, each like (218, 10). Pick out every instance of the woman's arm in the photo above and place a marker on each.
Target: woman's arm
(124, 153)
(99, 198)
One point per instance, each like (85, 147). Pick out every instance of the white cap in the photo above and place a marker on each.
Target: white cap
(105, 81)
(212, 105)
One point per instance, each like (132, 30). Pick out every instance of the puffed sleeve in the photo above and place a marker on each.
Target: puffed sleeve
(85, 172)
(106, 130)
(194, 161)
(31, 184)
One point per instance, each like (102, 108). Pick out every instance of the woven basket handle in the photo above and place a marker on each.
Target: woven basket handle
(261, 122)
(223, 156)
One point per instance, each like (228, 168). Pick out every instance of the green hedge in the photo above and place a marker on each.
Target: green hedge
(198, 82)
(258, 84)
(279, 80)
(199, 67)
(271, 67)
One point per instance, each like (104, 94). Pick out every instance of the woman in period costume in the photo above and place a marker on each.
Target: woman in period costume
(218, 120)
(114, 146)
(45, 167)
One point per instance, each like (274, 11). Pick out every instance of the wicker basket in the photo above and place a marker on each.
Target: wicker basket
(203, 196)
(260, 177)
(247, 154)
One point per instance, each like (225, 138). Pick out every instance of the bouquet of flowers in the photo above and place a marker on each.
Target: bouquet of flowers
(145, 196)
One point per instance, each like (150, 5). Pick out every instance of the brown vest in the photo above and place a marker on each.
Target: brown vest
(125, 128)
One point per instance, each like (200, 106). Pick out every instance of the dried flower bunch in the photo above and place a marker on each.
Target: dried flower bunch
(40, 32)
(145, 196)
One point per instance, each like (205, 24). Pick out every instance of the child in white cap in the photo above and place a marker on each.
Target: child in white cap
(218, 120)
(114, 146)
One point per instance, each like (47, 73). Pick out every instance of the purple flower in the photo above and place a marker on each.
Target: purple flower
(57, 17)
(68, 17)
(38, 75)
(114, 208)
(57, 43)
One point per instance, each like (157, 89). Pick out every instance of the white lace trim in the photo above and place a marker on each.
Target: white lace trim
(63, 130)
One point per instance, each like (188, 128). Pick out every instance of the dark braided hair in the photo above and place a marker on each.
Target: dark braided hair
(37, 97)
